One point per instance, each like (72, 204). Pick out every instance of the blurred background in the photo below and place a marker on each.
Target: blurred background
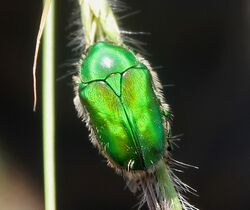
(203, 47)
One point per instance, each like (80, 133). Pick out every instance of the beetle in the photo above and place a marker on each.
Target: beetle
(119, 97)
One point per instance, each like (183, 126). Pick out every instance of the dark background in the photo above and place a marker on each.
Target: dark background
(204, 48)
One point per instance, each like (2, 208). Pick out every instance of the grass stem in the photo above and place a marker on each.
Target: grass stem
(48, 110)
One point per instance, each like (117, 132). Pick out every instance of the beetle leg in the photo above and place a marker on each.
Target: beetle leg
(168, 119)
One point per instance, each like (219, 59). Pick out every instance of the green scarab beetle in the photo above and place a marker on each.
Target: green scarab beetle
(119, 97)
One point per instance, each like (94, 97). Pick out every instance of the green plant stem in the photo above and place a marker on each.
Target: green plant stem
(167, 187)
(48, 109)
(100, 25)
(99, 22)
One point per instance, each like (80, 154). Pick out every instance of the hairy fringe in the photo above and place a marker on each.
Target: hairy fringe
(151, 188)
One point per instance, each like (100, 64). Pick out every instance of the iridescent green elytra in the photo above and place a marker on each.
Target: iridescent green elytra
(125, 114)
